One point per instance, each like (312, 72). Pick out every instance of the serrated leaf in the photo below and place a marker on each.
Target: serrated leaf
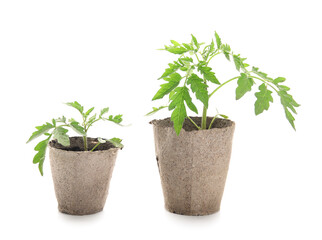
(116, 142)
(238, 62)
(77, 128)
(195, 42)
(264, 96)
(177, 104)
(175, 43)
(116, 119)
(289, 117)
(77, 106)
(207, 73)
(89, 112)
(288, 101)
(155, 110)
(244, 85)
(61, 119)
(40, 131)
(60, 134)
(218, 40)
(104, 110)
(279, 80)
(176, 49)
(39, 158)
(173, 82)
(199, 88)
(173, 67)
(91, 119)
(261, 74)
(226, 50)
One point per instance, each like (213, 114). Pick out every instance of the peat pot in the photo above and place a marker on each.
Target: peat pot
(81, 178)
(193, 166)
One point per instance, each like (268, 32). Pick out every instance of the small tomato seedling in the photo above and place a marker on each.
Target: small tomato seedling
(57, 130)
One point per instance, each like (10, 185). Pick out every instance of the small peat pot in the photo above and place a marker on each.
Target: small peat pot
(81, 178)
(193, 166)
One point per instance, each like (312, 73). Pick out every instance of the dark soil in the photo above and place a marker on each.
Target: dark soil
(77, 144)
(188, 126)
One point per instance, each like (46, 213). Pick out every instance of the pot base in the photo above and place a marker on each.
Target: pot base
(186, 213)
(78, 212)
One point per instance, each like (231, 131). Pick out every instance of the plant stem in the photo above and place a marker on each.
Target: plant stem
(222, 85)
(212, 121)
(85, 143)
(204, 118)
(95, 146)
(266, 83)
(193, 123)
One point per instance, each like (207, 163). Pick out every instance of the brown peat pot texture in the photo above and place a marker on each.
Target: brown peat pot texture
(193, 166)
(81, 178)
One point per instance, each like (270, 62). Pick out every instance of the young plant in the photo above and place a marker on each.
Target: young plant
(57, 130)
(191, 73)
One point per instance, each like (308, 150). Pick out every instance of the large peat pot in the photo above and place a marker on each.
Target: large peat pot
(81, 178)
(193, 166)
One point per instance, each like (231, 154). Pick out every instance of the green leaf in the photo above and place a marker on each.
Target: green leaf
(264, 96)
(224, 116)
(173, 82)
(289, 117)
(218, 40)
(39, 158)
(91, 120)
(173, 67)
(89, 112)
(195, 42)
(244, 85)
(77, 128)
(103, 111)
(175, 43)
(199, 88)
(116, 119)
(61, 119)
(116, 142)
(279, 80)
(288, 101)
(60, 134)
(40, 131)
(261, 74)
(77, 106)
(179, 113)
(226, 50)
(176, 49)
(155, 110)
(238, 62)
(207, 73)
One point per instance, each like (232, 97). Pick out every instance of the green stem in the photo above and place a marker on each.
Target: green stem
(212, 56)
(193, 123)
(222, 86)
(197, 57)
(212, 121)
(85, 143)
(204, 118)
(265, 82)
(95, 146)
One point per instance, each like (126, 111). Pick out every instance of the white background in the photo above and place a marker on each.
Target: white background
(103, 53)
